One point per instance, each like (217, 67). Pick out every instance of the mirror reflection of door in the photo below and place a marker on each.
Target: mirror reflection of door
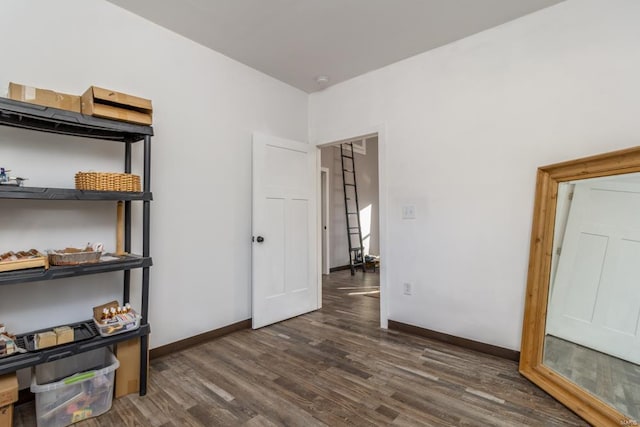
(596, 292)
(594, 297)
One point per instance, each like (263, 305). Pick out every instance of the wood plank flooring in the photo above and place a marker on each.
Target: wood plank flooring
(333, 367)
(613, 380)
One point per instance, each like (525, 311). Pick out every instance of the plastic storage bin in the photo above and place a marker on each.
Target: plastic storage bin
(125, 323)
(75, 388)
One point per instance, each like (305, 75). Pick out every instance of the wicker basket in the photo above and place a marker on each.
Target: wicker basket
(72, 256)
(108, 181)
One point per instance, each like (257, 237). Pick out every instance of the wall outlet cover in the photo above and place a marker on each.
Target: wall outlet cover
(407, 288)
(409, 212)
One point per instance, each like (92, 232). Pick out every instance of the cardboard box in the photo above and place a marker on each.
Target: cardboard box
(8, 395)
(115, 105)
(47, 98)
(8, 389)
(128, 375)
(6, 416)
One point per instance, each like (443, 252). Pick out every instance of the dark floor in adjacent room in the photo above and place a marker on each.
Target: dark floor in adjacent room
(332, 367)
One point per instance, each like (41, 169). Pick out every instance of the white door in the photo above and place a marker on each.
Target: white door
(284, 262)
(324, 196)
(595, 298)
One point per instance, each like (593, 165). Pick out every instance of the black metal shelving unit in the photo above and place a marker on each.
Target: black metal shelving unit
(126, 262)
(36, 193)
(46, 119)
(25, 360)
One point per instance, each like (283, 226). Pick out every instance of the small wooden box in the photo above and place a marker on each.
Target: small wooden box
(45, 339)
(115, 105)
(64, 334)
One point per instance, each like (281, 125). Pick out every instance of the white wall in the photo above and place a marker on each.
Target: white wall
(367, 180)
(466, 127)
(205, 109)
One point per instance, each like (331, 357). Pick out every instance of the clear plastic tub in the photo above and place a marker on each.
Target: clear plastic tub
(74, 388)
(120, 325)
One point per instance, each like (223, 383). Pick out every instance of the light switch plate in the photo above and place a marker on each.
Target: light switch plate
(408, 212)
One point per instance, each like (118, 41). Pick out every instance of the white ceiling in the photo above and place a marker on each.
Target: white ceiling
(298, 40)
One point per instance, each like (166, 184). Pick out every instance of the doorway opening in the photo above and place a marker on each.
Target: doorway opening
(335, 223)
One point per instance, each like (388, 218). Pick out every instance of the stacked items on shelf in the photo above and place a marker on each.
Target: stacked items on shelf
(20, 260)
(109, 319)
(56, 336)
(70, 256)
(6, 179)
(94, 101)
(8, 344)
(32, 258)
(112, 319)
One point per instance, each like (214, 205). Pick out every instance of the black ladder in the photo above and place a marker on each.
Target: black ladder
(351, 208)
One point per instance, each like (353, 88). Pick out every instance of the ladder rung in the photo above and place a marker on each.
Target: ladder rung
(356, 249)
(353, 228)
(347, 170)
(348, 157)
(354, 234)
(352, 213)
(350, 185)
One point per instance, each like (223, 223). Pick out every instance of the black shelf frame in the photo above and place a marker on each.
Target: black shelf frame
(38, 193)
(52, 120)
(14, 362)
(126, 262)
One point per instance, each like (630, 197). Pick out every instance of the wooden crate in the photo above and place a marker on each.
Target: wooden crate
(21, 264)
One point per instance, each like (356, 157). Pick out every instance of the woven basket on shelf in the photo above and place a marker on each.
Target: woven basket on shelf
(107, 181)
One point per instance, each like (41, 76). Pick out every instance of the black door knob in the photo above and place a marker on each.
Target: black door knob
(260, 239)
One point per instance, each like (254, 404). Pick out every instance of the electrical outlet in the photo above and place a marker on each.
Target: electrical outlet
(407, 288)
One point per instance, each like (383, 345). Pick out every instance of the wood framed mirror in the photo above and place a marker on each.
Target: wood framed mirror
(584, 275)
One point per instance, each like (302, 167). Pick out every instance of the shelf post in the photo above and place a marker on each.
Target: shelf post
(126, 292)
(146, 218)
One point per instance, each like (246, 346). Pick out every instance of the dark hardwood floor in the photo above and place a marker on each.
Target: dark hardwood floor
(613, 380)
(333, 367)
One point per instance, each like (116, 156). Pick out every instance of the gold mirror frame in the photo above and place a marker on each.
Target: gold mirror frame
(586, 405)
